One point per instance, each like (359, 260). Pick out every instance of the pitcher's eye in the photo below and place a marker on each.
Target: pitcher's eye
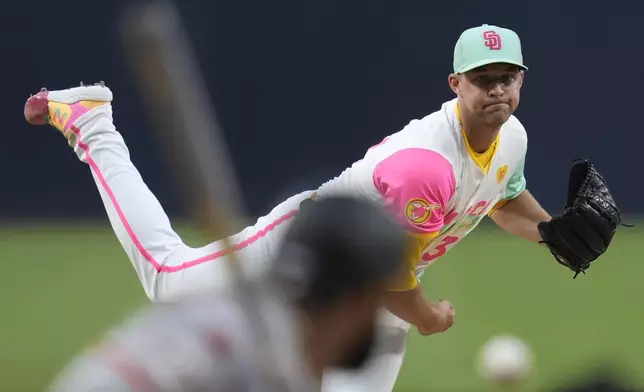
(507, 79)
(483, 80)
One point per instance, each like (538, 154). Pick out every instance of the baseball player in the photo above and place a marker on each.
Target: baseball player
(439, 177)
(318, 305)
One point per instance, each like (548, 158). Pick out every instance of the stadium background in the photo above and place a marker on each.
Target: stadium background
(316, 83)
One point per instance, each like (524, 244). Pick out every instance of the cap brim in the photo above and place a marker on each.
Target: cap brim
(481, 63)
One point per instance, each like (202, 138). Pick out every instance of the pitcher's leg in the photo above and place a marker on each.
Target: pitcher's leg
(84, 116)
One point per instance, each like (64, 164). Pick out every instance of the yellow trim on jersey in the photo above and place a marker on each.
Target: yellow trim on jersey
(407, 280)
(425, 236)
(482, 159)
(498, 205)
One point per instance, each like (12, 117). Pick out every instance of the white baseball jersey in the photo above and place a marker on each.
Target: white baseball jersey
(431, 180)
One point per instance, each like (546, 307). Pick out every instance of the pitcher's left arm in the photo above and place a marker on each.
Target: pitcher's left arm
(521, 216)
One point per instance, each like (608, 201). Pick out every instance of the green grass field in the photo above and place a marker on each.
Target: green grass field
(63, 284)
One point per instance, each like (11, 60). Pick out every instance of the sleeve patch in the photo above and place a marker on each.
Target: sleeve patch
(418, 211)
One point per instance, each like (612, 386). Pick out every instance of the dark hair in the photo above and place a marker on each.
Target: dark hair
(337, 246)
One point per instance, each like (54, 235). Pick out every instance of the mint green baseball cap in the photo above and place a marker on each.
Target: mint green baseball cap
(487, 44)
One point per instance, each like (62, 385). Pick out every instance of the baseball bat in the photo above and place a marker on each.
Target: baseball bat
(165, 66)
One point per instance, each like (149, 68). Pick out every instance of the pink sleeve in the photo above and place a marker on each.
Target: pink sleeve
(416, 185)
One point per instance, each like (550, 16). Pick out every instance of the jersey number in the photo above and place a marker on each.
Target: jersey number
(440, 249)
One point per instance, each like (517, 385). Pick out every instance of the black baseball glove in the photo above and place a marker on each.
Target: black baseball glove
(590, 218)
